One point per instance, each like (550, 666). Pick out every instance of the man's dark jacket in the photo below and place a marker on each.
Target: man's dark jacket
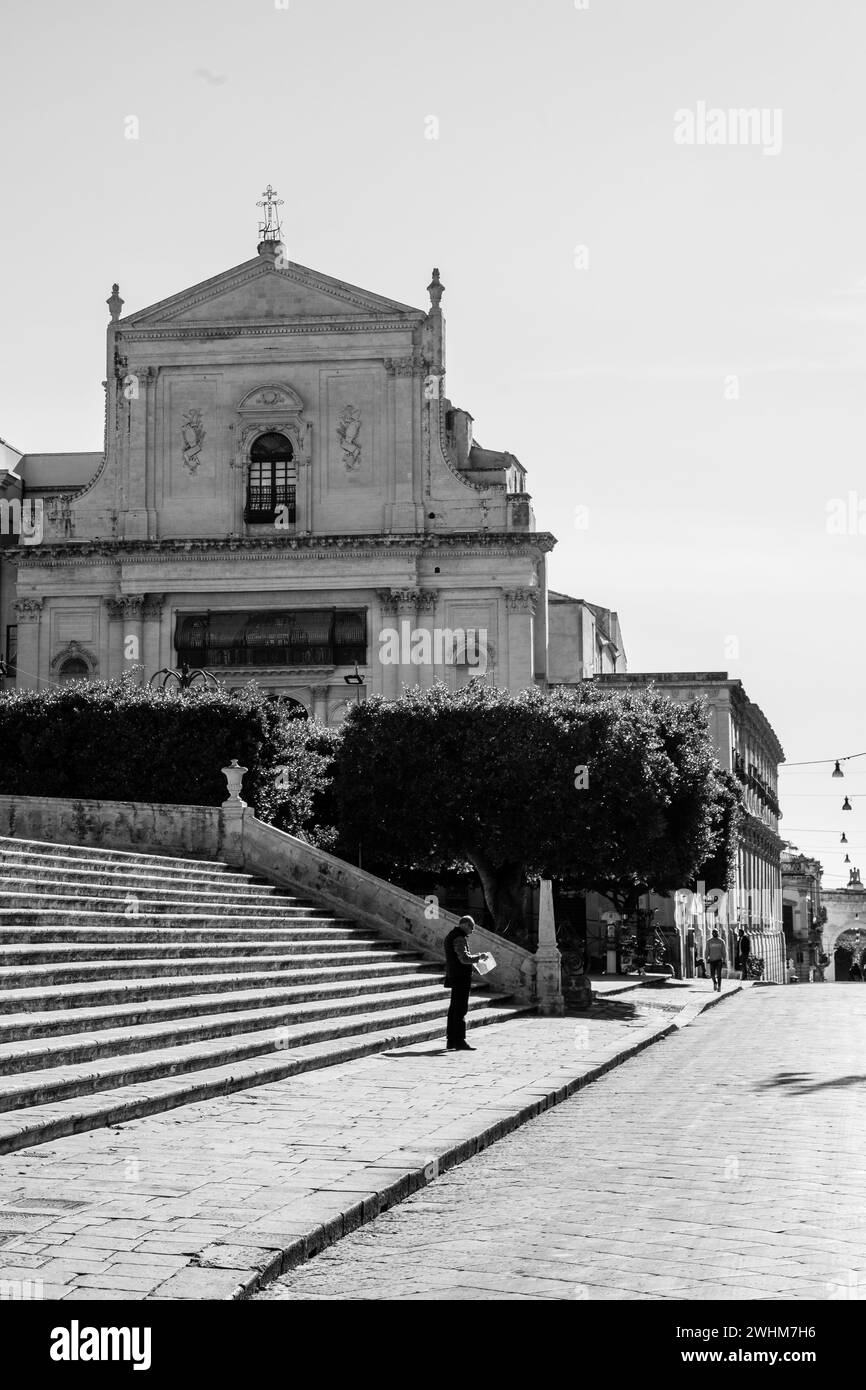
(456, 973)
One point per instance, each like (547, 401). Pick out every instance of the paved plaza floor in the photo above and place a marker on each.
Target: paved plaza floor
(201, 1201)
(728, 1161)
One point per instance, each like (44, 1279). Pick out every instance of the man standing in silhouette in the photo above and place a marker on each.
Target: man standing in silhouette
(717, 956)
(458, 974)
(744, 946)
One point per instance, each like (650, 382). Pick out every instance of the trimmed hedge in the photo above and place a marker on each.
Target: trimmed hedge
(118, 741)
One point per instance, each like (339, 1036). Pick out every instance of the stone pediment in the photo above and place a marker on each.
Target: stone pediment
(259, 292)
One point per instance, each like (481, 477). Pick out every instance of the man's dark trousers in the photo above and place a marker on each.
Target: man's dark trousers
(716, 973)
(456, 1026)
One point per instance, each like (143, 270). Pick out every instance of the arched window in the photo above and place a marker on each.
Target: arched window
(74, 669)
(271, 480)
(292, 707)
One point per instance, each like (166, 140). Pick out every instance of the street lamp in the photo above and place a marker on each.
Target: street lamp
(357, 680)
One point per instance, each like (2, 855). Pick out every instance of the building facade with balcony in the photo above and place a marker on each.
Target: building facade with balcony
(284, 487)
(746, 746)
(802, 914)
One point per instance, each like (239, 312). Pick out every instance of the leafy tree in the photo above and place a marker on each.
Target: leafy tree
(489, 777)
(118, 741)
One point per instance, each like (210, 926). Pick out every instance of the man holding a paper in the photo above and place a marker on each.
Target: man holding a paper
(458, 975)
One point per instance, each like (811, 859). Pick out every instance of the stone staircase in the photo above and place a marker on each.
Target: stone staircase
(134, 983)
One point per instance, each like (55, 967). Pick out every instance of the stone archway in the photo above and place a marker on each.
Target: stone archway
(846, 916)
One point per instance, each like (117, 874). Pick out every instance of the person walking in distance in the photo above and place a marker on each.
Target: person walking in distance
(458, 975)
(717, 956)
(744, 945)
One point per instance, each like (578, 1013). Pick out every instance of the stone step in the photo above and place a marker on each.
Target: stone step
(316, 956)
(323, 928)
(60, 1021)
(69, 892)
(49, 1121)
(79, 995)
(280, 943)
(98, 854)
(205, 874)
(132, 983)
(83, 1078)
(68, 1050)
(19, 917)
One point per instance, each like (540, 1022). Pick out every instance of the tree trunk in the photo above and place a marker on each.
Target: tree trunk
(503, 893)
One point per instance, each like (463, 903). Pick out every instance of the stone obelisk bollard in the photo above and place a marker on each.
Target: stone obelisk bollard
(548, 972)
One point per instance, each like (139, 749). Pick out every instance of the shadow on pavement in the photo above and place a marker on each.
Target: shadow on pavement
(801, 1084)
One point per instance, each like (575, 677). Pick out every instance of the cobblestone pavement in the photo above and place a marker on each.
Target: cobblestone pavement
(727, 1161)
(194, 1202)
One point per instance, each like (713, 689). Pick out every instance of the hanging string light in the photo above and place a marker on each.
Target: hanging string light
(816, 762)
(846, 805)
(844, 839)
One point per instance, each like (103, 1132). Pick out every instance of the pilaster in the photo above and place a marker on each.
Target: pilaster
(28, 614)
(520, 610)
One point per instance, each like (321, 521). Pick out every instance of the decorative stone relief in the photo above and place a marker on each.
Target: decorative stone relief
(348, 429)
(193, 434)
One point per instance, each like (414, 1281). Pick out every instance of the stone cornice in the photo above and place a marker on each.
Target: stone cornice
(477, 543)
(297, 328)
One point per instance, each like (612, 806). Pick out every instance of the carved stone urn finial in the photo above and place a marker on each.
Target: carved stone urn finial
(115, 303)
(234, 775)
(435, 289)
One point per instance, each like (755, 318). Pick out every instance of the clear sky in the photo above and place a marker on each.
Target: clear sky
(670, 335)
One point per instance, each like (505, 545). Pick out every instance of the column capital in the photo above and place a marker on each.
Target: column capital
(406, 366)
(125, 606)
(28, 610)
(521, 600)
(399, 600)
(153, 605)
(427, 600)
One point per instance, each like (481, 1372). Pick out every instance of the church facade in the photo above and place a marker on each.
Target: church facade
(286, 494)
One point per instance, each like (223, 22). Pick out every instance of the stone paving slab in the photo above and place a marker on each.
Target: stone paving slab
(212, 1200)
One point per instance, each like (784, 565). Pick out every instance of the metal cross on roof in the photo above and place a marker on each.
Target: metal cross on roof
(269, 230)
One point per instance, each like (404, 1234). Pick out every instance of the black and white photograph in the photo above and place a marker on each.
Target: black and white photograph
(413, 886)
